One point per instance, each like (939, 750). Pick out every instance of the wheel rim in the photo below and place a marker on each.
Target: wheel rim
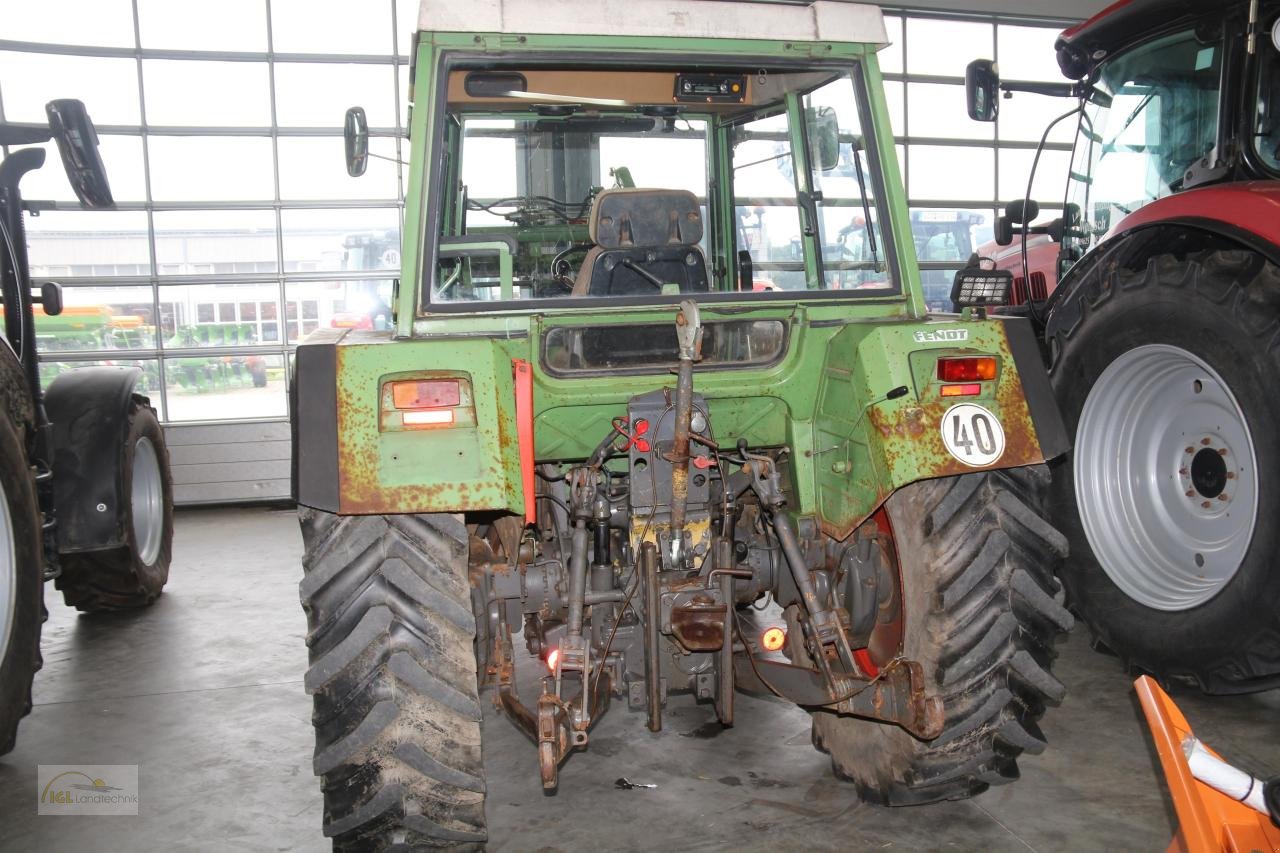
(1166, 478)
(147, 501)
(8, 574)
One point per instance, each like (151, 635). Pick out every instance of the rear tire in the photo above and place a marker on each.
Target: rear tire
(21, 584)
(976, 558)
(1177, 354)
(132, 576)
(393, 676)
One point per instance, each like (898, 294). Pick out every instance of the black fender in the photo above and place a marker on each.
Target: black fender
(89, 410)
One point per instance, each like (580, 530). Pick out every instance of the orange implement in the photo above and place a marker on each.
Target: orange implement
(1208, 820)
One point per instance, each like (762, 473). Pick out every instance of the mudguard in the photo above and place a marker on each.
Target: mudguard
(89, 409)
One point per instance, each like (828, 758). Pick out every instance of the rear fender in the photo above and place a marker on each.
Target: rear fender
(883, 423)
(351, 455)
(89, 409)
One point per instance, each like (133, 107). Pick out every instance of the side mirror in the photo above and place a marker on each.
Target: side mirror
(824, 137)
(78, 144)
(50, 298)
(1022, 210)
(1003, 231)
(355, 134)
(982, 89)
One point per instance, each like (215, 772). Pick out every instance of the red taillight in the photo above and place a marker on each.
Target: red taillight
(552, 659)
(970, 369)
(425, 394)
(967, 390)
(773, 639)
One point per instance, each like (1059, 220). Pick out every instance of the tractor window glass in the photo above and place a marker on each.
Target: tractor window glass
(1152, 115)
(1267, 112)
(593, 183)
(766, 210)
(852, 245)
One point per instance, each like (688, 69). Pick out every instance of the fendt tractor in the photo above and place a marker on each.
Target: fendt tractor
(589, 429)
(1163, 332)
(85, 492)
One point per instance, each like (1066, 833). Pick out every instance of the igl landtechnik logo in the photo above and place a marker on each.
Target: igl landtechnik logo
(99, 789)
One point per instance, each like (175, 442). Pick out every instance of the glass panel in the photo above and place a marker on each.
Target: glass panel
(406, 25)
(935, 110)
(313, 169)
(213, 315)
(108, 87)
(1051, 175)
(767, 218)
(891, 56)
(893, 94)
(227, 387)
(642, 348)
(1267, 111)
(317, 94)
(404, 76)
(946, 235)
(526, 215)
(225, 25)
(849, 222)
(202, 168)
(337, 305)
(351, 239)
(65, 244)
(1153, 115)
(932, 43)
(951, 172)
(1026, 53)
(674, 161)
(121, 157)
(148, 382)
(183, 92)
(106, 23)
(99, 318)
(1025, 116)
(193, 242)
(331, 26)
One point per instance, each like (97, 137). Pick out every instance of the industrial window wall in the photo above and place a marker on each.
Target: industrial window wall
(237, 230)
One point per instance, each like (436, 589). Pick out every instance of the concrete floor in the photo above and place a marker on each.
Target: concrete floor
(204, 692)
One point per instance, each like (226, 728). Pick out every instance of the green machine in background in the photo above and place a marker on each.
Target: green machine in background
(634, 384)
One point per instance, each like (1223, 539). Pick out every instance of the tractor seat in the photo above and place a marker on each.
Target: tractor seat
(638, 231)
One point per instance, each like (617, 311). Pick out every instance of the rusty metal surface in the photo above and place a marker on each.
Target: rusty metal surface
(866, 451)
(699, 625)
(897, 695)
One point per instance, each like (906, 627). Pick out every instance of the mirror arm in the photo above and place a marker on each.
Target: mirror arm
(1056, 90)
(385, 157)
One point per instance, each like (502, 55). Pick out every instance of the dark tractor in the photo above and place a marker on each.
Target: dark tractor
(85, 493)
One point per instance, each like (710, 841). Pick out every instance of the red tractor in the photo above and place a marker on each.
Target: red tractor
(1158, 292)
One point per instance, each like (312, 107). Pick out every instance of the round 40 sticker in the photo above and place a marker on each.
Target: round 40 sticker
(972, 434)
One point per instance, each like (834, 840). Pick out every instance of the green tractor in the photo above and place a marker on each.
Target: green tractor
(86, 497)
(587, 426)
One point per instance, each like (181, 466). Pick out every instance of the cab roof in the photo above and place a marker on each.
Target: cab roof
(819, 20)
(1082, 47)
